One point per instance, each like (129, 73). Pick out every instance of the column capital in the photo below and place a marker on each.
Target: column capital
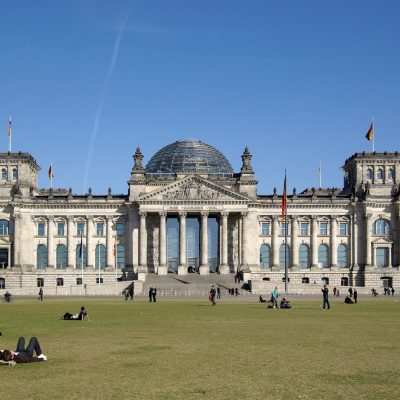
(313, 218)
(109, 218)
(162, 214)
(204, 214)
(334, 218)
(89, 218)
(368, 216)
(70, 218)
(142, 213)
(244, 214)
(224, 214)
(182, 214)
(50, 218)
(17, 217)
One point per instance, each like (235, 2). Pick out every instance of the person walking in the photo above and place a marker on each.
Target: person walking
(325, 299)
(392, 291)
(154, 294)
(150, 294)
(274, 297)
(218, 292)
(212, 295)
(355, 295)
(40, 294)
(350, 291)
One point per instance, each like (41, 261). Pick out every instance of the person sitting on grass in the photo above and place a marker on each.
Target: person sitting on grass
(76, 317)
(348, 300)
(285, 304)
(22, 355)
(261, 300)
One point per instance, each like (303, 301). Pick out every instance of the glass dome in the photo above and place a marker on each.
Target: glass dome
(189, 156)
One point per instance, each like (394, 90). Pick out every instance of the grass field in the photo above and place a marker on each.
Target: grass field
(186, 349)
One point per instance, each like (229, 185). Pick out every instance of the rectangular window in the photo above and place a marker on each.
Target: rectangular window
(283, 228)
(41, 229)
(100, 229)
(60, 229)
(342, 228)
(119, 227)
(80, 228)
(265, 228)
(323, 228)
(304, 228)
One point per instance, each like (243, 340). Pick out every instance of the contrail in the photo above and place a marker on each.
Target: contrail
(102, 97)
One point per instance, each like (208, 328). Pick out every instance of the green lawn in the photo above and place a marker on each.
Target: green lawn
(186, 349)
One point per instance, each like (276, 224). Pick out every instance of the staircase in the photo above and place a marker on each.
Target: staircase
(190, 284)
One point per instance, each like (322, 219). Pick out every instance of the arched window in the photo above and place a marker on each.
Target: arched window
(304, 256)
(379, 174)
(342, 257)
(2, 283)
(282, 256)
(264, 256)
(381, 227)
(390, 174)
(41, 257)
(40, 282)
(369, 174)
(3, 227)
(4, 174)
(15, 174)
(344, 281)
(100, 256)
(323, 256)
(79, 258)
(120, 256)
(61, 261)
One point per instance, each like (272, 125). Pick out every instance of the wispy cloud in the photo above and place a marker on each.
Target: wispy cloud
(103, 93)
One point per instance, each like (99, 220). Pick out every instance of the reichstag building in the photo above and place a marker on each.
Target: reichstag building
(188, 212)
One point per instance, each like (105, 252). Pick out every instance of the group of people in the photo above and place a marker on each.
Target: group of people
(152, 294)
(284, 303)
(336, 292)
(388, 291)
(233, 291)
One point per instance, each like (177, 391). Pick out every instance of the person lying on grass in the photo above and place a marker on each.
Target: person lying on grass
(76, 317)
(22, 354)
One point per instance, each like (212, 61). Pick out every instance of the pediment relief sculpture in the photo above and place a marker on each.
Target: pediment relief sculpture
(192, 190)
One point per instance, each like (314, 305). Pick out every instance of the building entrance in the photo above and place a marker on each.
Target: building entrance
(3, 258)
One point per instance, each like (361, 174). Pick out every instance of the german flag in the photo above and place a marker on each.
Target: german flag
(9, 128)
(50, 173)
(370, 133)
(284, 199)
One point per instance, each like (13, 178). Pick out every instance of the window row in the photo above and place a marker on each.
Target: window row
(60, 281)
(80, 229)
(304, 256)
(80, 256)
(4, 174)
(304, 229)
(380, 174)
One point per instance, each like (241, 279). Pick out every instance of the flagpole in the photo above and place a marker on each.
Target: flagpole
(98, 246)
(373, 135)
(51, 175)
(286, 232)
(9, 135)
(320, 174)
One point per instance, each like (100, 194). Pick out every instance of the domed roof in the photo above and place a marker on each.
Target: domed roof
(189, 156)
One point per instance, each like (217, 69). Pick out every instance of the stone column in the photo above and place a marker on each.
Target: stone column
(89, 243)
(398, 240)
(333, 243)
(162, 268)
(109, 243)
(182, 268)
(70, 242)
(143, 244)
(245, 262)
(50, 242)
(275, 244)
(295, 247)
(224, 268)
(16, 241)
(204, 267)
(314, 243)
(356, 220)
(368, 247)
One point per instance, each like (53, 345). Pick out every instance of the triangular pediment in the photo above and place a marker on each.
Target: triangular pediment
(4, 240)
(193, 188)
(382, 241)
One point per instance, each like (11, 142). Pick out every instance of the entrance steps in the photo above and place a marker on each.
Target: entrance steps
(190, 284)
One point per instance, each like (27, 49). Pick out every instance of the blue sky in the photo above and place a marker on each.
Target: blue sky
(296, 81)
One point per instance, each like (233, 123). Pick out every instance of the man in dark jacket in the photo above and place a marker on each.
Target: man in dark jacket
(325, 299)
(355, 295)
(22, 355)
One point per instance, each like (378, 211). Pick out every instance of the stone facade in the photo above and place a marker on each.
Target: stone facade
(348, 236)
